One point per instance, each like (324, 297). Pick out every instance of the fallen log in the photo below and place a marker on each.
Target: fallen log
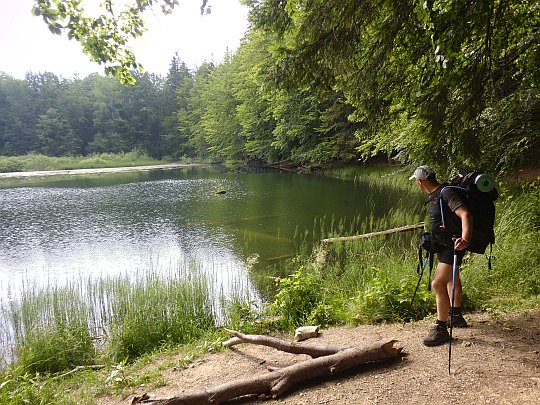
(378, 233)
(278, 381)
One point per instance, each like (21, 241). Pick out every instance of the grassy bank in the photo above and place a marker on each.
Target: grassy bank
(107, 327)
(36, 162)
(109, 330)
(374, 280)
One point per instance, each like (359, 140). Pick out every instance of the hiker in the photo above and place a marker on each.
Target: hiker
(456, 237)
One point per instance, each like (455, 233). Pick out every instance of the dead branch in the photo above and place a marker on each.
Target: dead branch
(378, 233)
(78, 368)
(282, 345)
(279, 381)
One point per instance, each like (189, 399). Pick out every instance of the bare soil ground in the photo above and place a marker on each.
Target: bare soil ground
(494, 361)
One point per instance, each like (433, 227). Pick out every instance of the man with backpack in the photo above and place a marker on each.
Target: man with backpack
(451, 227)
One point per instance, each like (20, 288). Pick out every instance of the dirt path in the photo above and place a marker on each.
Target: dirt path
(495, 361)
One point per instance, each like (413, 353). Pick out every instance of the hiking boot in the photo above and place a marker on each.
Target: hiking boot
(438, 335)
(457, 321)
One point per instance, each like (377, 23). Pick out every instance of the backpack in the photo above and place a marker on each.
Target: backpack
(479, 192)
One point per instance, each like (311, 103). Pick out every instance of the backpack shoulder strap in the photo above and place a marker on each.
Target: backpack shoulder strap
(442, 200)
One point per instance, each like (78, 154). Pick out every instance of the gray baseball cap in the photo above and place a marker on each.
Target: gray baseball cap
(423, 173)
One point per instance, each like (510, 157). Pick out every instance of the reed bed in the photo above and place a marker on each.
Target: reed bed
(54, 328)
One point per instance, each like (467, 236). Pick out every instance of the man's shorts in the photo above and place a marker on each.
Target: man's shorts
(445, 254)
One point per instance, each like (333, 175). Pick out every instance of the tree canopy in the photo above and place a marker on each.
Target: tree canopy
(430, 80)
(451, 83)
(104, 37)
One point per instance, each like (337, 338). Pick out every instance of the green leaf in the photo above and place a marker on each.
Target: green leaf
(55, 30)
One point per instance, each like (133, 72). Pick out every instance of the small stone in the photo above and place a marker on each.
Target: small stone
(306, 332)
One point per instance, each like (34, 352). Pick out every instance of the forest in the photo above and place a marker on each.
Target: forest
(447, 83)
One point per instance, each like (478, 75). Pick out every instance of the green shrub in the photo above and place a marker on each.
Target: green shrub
(299, 294)
(327, 313)
(243, 316)
(387, 300)
(8, 165)
(19, 388)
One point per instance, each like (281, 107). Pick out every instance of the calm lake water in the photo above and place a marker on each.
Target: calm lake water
(59, 227)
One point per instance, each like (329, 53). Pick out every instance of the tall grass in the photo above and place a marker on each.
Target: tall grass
(156, 311)
(50, 329)
(37, 162)
(55, 328)
(114, 322)
(374, 280)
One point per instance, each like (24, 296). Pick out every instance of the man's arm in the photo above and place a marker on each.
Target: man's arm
(466, 228)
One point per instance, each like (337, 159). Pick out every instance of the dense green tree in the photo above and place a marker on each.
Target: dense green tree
(45, 114)
(429, 81)
(336, 140)
(108, 141)
(303, 124)
(109, 120)
(141, 106)
(312, 128)
(449, 83)
(55, 135)
(220, 121)
(184, 116)
(254, 111)
(168, 96)
(177, 123)
(197, 144)
(17, 120)
(77, 104)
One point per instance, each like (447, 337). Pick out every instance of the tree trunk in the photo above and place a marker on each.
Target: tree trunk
(326, 361)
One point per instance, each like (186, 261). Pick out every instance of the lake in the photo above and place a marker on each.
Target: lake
(58, 227)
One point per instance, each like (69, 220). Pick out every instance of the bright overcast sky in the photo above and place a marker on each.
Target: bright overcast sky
(26, 44)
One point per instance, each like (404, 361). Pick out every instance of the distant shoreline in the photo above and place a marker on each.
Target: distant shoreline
(95, 170)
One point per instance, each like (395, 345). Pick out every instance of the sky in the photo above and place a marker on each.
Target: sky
(26, 44)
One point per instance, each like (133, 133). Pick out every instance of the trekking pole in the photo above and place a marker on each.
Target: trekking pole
(454, 271)
(417, 285)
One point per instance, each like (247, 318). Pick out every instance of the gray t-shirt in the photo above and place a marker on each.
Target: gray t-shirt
(452, 199)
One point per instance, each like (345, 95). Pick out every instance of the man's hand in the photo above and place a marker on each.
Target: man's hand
(460, 243)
